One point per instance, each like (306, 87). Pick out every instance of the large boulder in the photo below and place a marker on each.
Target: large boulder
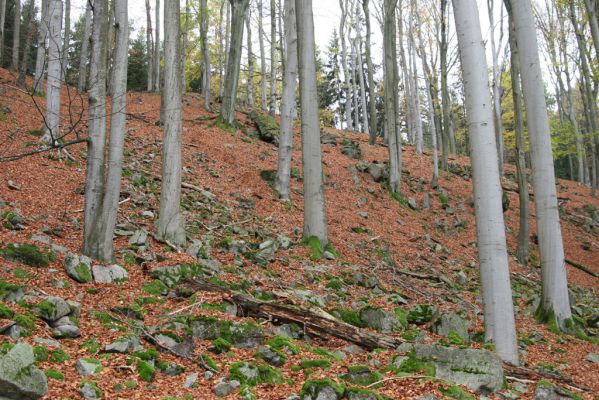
(109, 273)
(78, 267)
(19, 377)
(326, 389)
(380, 320)
(480, 370)
(452, 323)
(51, 309)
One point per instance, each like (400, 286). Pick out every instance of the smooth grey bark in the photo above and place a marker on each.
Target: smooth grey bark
(419, 136)
(110, 49)
(272, 109)
(40, 59)
(84, 56)
(371, 93)
(554, 300)
(227, 45)
(492, 248)
(250, 78)
(315, 224)
(445, 103)
(391, 101)
(221, 48)
(406, 76)
(593, 23)
(288, 108)
(156, 66)
(67, 37)
(496, 84)
(238, 15)
(149, 47)
(524, 227)
(355, 87)
(263, 83)
(16, 36)
(52, 122)
(184, 47)
(360, 70)
(2, 23)
(95, 173)
(29, 15)
(346, 85)
(171, 225)
(206, 69)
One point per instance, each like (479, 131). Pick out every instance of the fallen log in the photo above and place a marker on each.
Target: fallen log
(582, 268)
(529, 374)
(313, 319)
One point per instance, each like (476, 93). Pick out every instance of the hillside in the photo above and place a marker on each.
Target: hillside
(416, 261)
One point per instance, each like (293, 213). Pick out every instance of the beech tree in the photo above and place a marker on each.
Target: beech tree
(371, 94)
(16, 34)
(206, 78)
(149, 46)
(555, 304)
(40, 59)
(156, 66)
(84, 55)
(52, 123)
(314, 203)
(2, 22)
(490, 228)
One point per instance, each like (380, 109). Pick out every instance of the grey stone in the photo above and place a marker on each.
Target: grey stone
(14, 332)
(75, 308)
(328, 255)
(362, 165)
(222, 389)
(58, 284)
(139, 238)
(66, 332)
(52, 308)
(124, 345)
(353, 349)
(208, 375)
(292, 396)
(88, 391)
(461, 278)
(380, 320)
(426, 203)
(19, 377)
(320, 392)
(55, 344)
(480, 370)
(41, 239)
(284, 241)
(592, 357)
(377, 171)
(109, 274)
(428, 397)
(190, 380)
(166, 341)
(452, 322)
(362, 395)
(363, 214)
(88, 366)
(547, 391)
(78, 268)
(270, 356)
(147, 214)
(58, 249)
(412, 203)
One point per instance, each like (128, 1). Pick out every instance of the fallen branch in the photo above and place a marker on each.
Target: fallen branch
(60, 146)
(582, 268)
(313, 319)
(516, 372)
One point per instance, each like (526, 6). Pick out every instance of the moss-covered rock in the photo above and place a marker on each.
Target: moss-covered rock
(253, 375)
(51, 308)
(420, 314)
(246, 335)
(27, 254)
(78, 268)
(268, 128)
(145, 370)
(322, 389)
(380, 320)
(361, 375)
(210, 328)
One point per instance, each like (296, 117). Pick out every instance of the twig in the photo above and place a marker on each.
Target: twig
(513, 378)
(120, 202)
(186, 308)
(393, 378)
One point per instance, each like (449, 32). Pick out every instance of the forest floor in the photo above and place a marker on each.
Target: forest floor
(412, 255)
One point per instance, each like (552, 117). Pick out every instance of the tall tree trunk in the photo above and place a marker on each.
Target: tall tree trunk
(371, 88)
(346, 86)
(29, 15)
(16, 35)
(149, 47)
(156, 67)
(227, 43)
(205, 56)
(555, 302)
(52, 128)
(496, 85)
(250, 79)
(84, 56)
(315, 224)
(40, 60)
(184, 48)
(107, 217)
(263, 82)
(406, 77)
(110, 48)
(416, 97)
(524, 228)
(171, 225)
(238, 12)
(365, 126)
(94, 176)
(67, 37)
(593, 22)
(492, 248)
(354, 87)
(288, 108)
(221, 47)
(2, 23)
(445, 103)
(390, 78)
(273, 59)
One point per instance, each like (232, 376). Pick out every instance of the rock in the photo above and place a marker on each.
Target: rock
(12, 185)
(428, 397)
(66, 332)
(139, 238)
(420, 314)
(88, 366)
(328, 255)
(171, 275)
(361, 375)
(109, 274)
(377, 171)
(51, 309)
(19, 377)
(592, 357)
(362, 165)
(90, 391)
(363, 214)
(353, 349)
(147, 214)
(322, 390)
(361, 394)
(412, 203)
(124, 345)
(270, 356)
(426, 203)
(224, 388)
(246, 335)
(328, 138)
(461, 278)
(54, 344)
(547, 391)
(480, 370)
(284, 241)
(452, 322)
(293, 396)
(190, 380)
(78, 268)
(380, 320)
(352, 150)
(291, 331)
(165, 341)
(208, 375)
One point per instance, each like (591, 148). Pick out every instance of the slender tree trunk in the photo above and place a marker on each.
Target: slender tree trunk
(238, 11)
(315, 224)
(67, 38)
(594, 24)
(16, 36)
(149, 47)
(52, 128)
(371, 93)
(40, 60)
(171, 225)
(156, 67)
(250, 81)
(555, 302)
(110, 49)
(227, 43)
(221, 48)
(416, 98)
(492, 248)
(84, 56)
(445, 104)
(94, 177)
(2, 23)
(390, 78)
(288, 108)
(29, 16)
(496, 86)
(273, 59)
(365, 125)
(346, 86)
(184, 48)
(406, 77)
(206, 56)
(263, 82)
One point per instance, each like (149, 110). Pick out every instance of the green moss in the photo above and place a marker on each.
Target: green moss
(283, 343)
(145, 371)
(220, 345)
(155, 287)
(20, 273)
(44, 308)
(148, 355)
(240, 332)
(414, 365)
(312, 387)
(401, 316)
(260, 374)
(210, 362)
(222, 307)
(7, 289)
(6, 312)
(444, 199)
(325, 353)
(410, 335)
(361, 375)
(316, 252)
(335, 284)
(83, 272)
(348, 316)
(269, 176)
(329, 247)
(130, 384)
(59, 356)
(321, 363)
(95, 387)
(455, 339)
(457, 393)
(421, 314)
(25, 320)
(27, 254)
(52, 373)
(40, 353)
